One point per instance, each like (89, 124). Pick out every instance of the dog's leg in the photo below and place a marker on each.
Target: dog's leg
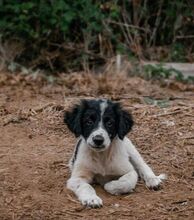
(124, 184)
(145, 172)
(86, 194)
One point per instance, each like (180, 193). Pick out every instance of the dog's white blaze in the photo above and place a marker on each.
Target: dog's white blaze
(103, 107)
(100, 129)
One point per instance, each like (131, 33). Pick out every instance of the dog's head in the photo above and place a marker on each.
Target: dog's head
(99, 122)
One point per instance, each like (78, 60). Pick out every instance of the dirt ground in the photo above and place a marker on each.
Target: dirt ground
(35, 146)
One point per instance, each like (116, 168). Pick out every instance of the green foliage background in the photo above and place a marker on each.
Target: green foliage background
(66, 35)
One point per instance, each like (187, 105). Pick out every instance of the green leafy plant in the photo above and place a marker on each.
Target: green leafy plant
(162, 103)
(178, 52)
(160, 72)
(66, 35)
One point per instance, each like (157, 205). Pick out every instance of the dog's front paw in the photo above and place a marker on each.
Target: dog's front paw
(92, 201)
(154, 182)
(118, 188)
(112, 188)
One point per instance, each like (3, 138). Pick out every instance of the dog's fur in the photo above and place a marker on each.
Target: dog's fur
(103, 153)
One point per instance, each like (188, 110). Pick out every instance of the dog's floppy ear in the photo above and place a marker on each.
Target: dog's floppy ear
(73, 119)
(125, 122)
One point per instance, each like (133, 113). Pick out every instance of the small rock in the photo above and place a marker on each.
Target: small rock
(116, 205)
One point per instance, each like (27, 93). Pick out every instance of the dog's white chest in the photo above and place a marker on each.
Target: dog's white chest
(116, 164)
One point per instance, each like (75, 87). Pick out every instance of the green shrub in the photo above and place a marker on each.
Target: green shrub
(65, 34)
(160, 72)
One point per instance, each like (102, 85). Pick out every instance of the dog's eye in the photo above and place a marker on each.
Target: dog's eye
(109, 123)
(89, 122)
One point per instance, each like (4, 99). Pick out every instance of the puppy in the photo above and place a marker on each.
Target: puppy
(103, 153)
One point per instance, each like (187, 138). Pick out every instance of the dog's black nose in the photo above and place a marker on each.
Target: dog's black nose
(98, 140)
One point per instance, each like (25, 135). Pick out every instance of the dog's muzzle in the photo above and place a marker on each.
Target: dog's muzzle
(99, 140)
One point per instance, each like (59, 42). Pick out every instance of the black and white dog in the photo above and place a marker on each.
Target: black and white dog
(103, 153)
